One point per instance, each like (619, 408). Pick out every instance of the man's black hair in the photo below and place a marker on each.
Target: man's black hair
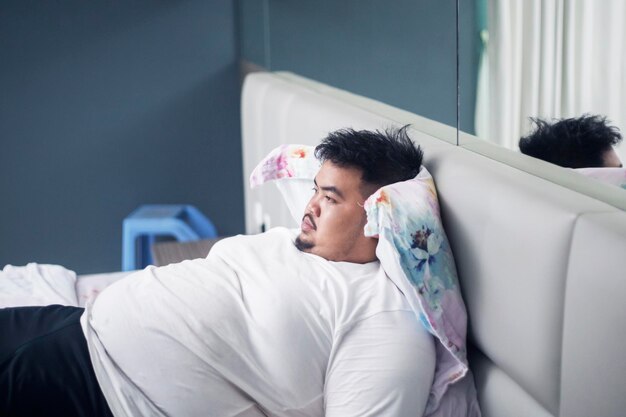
(384, 157)
(579, 142)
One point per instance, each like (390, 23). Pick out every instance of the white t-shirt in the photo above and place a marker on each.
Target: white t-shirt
(259, 328)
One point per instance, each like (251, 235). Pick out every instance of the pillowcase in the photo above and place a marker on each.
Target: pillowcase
(414, 251)
(295, 166)
(412, 247)
(614, 176)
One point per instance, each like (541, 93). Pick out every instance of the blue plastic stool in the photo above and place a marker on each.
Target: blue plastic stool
(141, 228)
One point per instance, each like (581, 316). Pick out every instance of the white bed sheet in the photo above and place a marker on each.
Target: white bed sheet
(44, 284)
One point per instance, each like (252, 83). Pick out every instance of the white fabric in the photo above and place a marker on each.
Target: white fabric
(552, 59)
(613, 176)
(37, 285)
(259, 328)
(89, 286)
(296, 192)
(42, 284)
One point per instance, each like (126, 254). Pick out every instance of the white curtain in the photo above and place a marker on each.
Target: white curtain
(551, 59)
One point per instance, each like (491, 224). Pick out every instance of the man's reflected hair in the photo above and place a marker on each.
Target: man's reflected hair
(578, 142)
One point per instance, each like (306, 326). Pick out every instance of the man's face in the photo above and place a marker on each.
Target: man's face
(611, 160)
(333, 221)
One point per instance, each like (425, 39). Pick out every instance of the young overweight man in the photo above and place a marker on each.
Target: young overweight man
(285, 323)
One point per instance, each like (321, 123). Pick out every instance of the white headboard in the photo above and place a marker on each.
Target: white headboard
(542, 263)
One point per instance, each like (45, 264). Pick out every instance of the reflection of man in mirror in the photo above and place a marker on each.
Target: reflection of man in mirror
(581, 142)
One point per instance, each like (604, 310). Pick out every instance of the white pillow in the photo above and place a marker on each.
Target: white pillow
(295, 166)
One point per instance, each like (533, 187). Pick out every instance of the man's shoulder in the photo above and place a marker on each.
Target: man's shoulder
(276, 234)
(276, 239)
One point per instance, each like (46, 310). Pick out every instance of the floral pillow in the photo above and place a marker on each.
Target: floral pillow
(414, 251)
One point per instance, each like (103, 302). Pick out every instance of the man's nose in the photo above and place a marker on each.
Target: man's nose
(314, 207)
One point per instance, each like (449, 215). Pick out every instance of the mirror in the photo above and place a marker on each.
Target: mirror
(548, 59)
(401, 53)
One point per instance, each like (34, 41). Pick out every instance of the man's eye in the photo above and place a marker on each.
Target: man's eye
(329, 199)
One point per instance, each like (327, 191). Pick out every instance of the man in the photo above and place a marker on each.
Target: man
(285, 323)
(582, 142)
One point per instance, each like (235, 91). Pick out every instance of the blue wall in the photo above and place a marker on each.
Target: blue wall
(105, 106)
(108, 105)
(400, 52)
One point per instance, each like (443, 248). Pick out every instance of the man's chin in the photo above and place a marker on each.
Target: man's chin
(303, 245)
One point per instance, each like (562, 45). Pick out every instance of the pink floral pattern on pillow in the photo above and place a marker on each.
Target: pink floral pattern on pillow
(286, 161)
(414, 251)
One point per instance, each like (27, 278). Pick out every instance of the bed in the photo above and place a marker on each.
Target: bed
(539, 249)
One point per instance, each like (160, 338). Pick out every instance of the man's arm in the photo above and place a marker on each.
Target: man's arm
(382, 366)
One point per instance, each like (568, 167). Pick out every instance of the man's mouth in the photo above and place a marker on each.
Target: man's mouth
(308, 223)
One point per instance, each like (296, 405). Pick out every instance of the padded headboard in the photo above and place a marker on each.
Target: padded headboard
(542, 266)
